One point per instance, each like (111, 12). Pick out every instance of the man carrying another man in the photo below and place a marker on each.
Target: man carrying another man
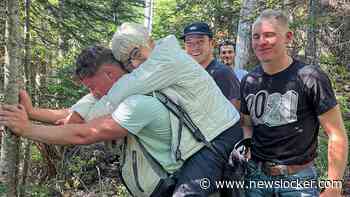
(162, 66)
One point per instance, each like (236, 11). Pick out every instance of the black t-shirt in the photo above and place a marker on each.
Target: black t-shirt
(284, 108)
(225, 79)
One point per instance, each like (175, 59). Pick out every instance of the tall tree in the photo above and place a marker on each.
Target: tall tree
(9, 151)
(27, 62)
(244, 53)
(311, 48)
(62, 42)
(3, 16)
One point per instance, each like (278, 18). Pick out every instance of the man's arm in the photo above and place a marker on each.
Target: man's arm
(48, 115)
(332, 123)
(247, 127)
(41, 114)
(72, 118)
(104, 128)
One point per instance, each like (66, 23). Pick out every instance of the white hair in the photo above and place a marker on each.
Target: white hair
(128, 36)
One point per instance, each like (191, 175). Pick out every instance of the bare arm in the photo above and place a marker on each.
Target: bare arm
(41, 114)
(331, 121)
(246, 124)
(236, 103)
(72, 118)
(48, 115)
(104, 128)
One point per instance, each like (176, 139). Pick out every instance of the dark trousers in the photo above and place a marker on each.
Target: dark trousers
(199, 173)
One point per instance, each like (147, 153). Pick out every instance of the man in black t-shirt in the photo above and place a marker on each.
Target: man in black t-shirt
(199, 44)
(283, 102)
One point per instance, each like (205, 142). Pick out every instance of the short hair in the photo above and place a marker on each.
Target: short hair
(128, 36)
(227, 43)
(91, 59)
(277, 15)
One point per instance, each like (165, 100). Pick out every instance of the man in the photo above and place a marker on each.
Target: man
(199, 44)
(283, 103)
(227, 56)
(165, 66)
(98, 83)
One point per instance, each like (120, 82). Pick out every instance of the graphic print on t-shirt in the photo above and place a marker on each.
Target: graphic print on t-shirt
(273, 109)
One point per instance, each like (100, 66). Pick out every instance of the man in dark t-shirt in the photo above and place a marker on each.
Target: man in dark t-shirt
(283, 102)
(199, 44)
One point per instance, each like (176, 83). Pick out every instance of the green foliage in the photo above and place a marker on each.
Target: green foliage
(344, 104)
(80, 23)
(172, 16)
(37, 191)
(122, 191)
(2, 189)
(63, 88)
(35, 154)
(59, 30)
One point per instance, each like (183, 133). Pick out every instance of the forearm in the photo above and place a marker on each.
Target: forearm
(247, 132)
(55, 134)
(104, 128)
(332, 123)
(337, 156)
(48, 115)
(246, 126)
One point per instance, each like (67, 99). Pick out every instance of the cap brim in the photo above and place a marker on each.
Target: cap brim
(196, 33)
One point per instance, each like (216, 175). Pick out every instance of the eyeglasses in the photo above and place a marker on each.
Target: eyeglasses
(134, 54)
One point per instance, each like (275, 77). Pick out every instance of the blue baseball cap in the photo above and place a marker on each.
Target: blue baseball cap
(197, 28)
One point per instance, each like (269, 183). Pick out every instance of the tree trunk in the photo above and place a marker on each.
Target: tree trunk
(9, 151)
(62, 42)
(148, 15)
(28, 83)
(3, 16)
(244, 54)
(27, 50)
(311, 48)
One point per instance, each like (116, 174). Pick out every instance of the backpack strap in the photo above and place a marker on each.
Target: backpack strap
(157, 167)
(180, 113)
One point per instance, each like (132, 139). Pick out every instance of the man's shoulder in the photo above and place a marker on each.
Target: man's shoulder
(309, 71)
(254, 74)
(142, 105)
(241, 70)
(218, 68)
(139, 98)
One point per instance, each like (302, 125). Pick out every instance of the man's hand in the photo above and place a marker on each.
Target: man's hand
(15, 117)
(26, 101)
